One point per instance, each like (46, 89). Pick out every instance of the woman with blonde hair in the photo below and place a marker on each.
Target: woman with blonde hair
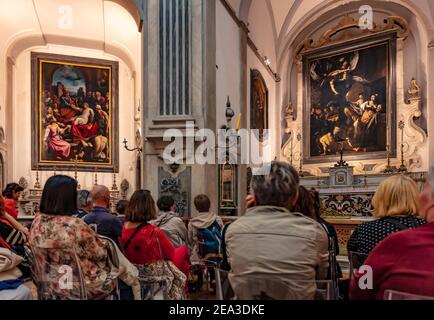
(396, 209)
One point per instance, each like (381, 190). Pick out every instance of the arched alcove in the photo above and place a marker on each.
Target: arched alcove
(114, 36)
(314, 34)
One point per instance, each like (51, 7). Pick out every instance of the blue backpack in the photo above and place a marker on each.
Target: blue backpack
(210, 242)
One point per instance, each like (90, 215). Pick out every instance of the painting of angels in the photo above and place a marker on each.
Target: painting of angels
(349, 104)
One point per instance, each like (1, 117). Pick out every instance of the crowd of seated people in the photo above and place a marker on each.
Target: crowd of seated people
(280, 248)
(401, 252)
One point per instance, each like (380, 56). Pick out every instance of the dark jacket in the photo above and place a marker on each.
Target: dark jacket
(106, 223)
(368, 235)
(80, 214)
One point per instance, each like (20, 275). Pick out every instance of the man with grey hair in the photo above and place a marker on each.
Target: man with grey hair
(106, 223)
(84, 203)
(273, 252)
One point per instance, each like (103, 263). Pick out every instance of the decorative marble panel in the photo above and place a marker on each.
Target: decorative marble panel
(179, 187)
(347, 205)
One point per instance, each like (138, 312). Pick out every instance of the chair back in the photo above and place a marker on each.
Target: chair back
(210, 258)
(56, 273)
(153, 290)
(356, 260)
(280, 287)
(333, 264)
(223, 287)
(396, 295)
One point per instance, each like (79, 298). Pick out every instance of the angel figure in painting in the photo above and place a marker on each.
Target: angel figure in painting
(340, 78)
(366, 125)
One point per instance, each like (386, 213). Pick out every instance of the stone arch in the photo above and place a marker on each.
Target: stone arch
(27, 39)
(2, 172)
(2, 135)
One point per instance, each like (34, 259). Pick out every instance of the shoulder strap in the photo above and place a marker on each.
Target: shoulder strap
(396, 223)
(225, 263)
(136, 231)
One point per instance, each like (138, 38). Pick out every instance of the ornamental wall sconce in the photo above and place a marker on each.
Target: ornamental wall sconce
(125, 142)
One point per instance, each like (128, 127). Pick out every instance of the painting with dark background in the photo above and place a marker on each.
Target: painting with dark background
(75, 122)
(258, 102)
(348, 102)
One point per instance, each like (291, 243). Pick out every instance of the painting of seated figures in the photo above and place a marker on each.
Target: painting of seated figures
(74, 112)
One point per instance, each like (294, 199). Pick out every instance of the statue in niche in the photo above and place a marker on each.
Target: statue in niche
(414, 90)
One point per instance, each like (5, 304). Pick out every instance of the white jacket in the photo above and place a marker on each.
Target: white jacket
(8, 265)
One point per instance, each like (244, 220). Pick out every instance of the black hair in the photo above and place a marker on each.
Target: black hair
(59, 196)
(121, 206)
(165, 203)
(10, 188)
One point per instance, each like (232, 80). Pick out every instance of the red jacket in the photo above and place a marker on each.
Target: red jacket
(402, 262)
(11, 207)
(148, 246)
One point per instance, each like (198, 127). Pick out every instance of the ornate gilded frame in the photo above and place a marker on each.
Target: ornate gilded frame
(387, 38)
(37, 162)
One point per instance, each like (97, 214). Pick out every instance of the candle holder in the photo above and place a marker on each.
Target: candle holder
(389, 169)
(300, 172)
(402, 168)
(96, 177)
(76, 173)
(341, 163)
(37, 184)
(365, 179)
(114, 186)
(292, 148)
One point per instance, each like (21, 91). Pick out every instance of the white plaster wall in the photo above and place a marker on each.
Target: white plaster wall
(263, 30)
(228, 64)
(229, 77)
(22, 119)
(235, 4)
(253, 62)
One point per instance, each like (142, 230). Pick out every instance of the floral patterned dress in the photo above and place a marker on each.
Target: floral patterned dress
(59, 241)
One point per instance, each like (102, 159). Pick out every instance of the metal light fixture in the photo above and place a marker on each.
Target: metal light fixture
(125, 142)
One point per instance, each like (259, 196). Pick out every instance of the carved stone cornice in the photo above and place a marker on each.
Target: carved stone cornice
(339, 33)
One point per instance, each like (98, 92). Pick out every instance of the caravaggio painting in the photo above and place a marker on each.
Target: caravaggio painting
(75, 120)
(349, 103)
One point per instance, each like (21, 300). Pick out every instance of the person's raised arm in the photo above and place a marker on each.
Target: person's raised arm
(14, 223)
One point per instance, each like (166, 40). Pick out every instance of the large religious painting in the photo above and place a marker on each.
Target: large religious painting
(258, 102)
(350, 100)
(75, 113)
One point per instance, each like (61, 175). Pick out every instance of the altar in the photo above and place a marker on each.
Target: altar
(345, 207)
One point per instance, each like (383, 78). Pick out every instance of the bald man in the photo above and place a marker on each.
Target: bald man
(105, 223)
